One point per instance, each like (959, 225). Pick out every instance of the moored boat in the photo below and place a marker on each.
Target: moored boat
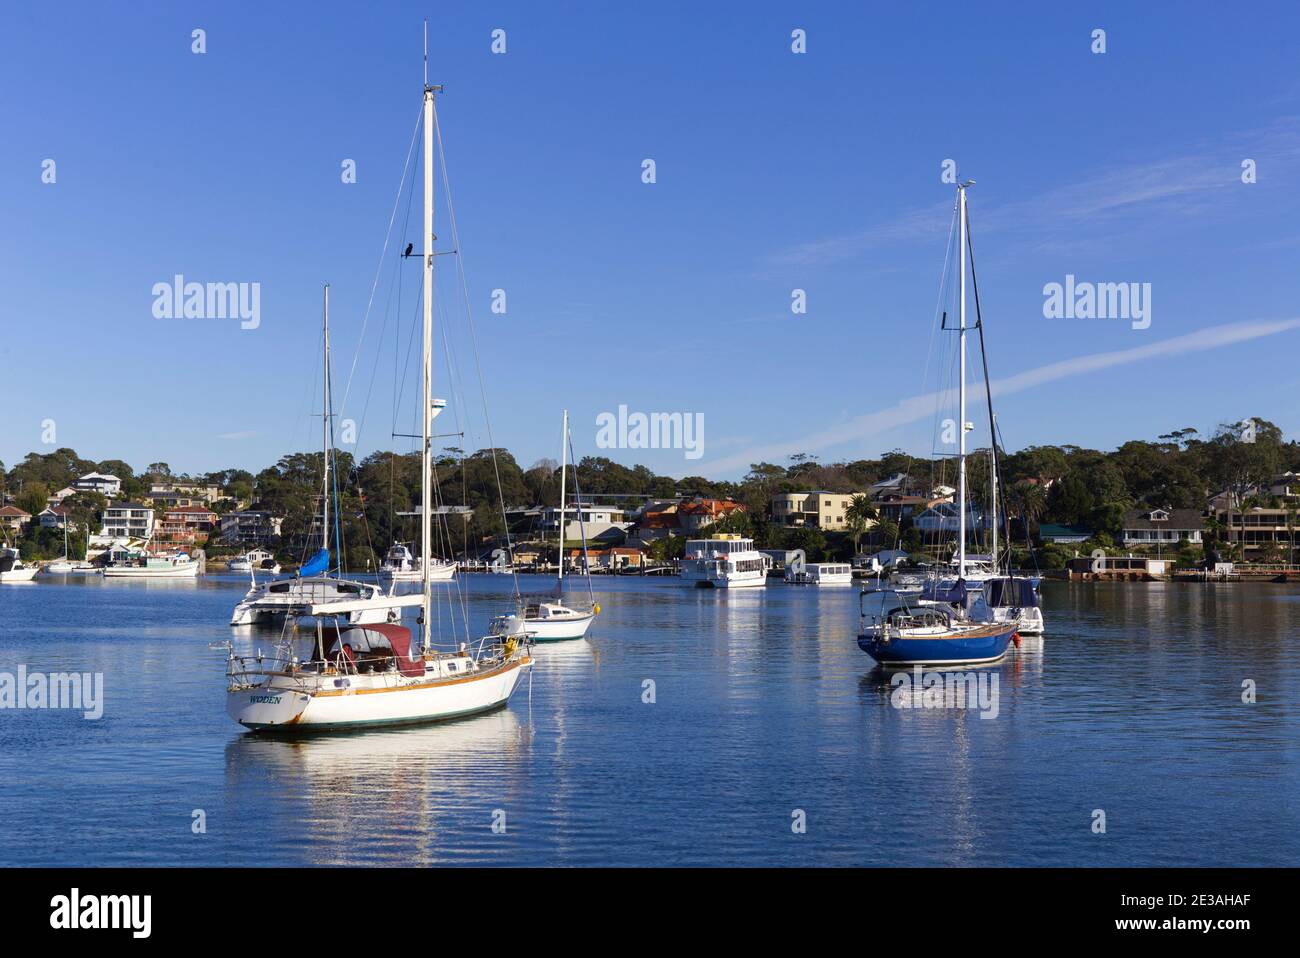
(724, 561)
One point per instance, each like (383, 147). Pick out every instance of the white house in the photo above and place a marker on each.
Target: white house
(1165, 527)
(126, 520)
(102, 483)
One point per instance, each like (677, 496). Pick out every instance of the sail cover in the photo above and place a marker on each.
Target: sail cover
(1011, 592)
(317, 564)
(935, 592)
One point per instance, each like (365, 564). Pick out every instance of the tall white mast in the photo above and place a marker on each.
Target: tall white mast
(961, 387)
(564, 464)
(325, 432)
(426, 465)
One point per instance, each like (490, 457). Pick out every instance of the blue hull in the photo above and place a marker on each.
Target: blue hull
(958, 650)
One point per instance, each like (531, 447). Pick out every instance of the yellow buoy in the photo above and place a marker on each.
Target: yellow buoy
(595, 609)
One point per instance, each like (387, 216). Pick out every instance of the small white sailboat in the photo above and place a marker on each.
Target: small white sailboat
(554, 620)
(357, 676)
(62, 565)
(13, 568)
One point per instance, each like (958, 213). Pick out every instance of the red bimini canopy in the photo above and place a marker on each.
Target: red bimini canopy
(383, 636)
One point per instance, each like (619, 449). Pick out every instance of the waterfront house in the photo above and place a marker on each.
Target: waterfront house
(53, 517)
(1064, 535)
(896, 508)
(1258, 530)
(106, 485)
(14, 519)
(819, 508)
(599, 523)
(126, 520)
(253, 527)
(1130, 567)
(187, 525)
(172, 495)
(946, 517)
(1162, 527)
(698, 514)
(656, 520)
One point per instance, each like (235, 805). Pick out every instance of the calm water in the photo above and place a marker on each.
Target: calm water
(1132, 704)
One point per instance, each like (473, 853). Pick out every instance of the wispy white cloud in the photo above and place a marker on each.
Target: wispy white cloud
(1134, 187)
(246, 434)
(923, 406)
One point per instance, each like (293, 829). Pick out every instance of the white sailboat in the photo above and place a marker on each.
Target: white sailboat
(554, 620)
(367, 675)
(62, 565)
(313, 584)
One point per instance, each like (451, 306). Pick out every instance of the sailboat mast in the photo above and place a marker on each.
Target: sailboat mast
(564, 466)
(426, 464)
(325, 432)
(961, 388)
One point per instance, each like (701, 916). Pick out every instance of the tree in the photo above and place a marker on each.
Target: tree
(859, 517)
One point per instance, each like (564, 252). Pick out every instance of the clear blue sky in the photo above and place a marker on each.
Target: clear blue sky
(775, 171)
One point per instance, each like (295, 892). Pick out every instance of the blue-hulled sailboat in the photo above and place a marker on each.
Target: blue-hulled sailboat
(947, 624)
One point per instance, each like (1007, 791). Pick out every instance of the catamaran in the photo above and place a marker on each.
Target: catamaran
(313, 584)
(948, 623)
(556, 620)
(351, 675)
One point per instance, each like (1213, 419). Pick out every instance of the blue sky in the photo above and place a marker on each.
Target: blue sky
(819, 171)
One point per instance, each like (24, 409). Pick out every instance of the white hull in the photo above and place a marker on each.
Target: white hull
(185, 571)
(59, 567)
(441, 572)
(368, 700)
(1029, 620)
(19, 575)
(545, 630)
(725, 580)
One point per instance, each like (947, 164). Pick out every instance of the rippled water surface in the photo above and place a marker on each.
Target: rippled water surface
(1132, 704)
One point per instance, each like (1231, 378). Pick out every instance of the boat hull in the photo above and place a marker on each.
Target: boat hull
(974, 647)
(188, 571)
(19, 575)
(546, 630)
(289, 710)
(439, 573)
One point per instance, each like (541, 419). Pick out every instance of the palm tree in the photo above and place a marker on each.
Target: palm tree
(859, 517)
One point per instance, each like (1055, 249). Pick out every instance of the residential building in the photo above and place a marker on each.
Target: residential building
(1257, 529)
(657, 520)
(942, 517)
(102, 483)
(613, 559)
(250, 527)
(187, 525)
(14, 519)
(175, 494)
(819, 508)
(598, 523)
(53, 517)
(1162, 527)
(56, 498)
(126, 520)
(896, 508)
(697, 514)
(899, 484)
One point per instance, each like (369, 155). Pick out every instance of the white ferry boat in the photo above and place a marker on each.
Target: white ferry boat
(724, 562)
(821, 573)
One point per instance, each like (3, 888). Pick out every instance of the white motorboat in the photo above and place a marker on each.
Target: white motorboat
(178, 565)
(400, 565)
(724, 561)
(255, 560)
(355, 676)
(554, 620)
(821, 573)
(13, 568)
